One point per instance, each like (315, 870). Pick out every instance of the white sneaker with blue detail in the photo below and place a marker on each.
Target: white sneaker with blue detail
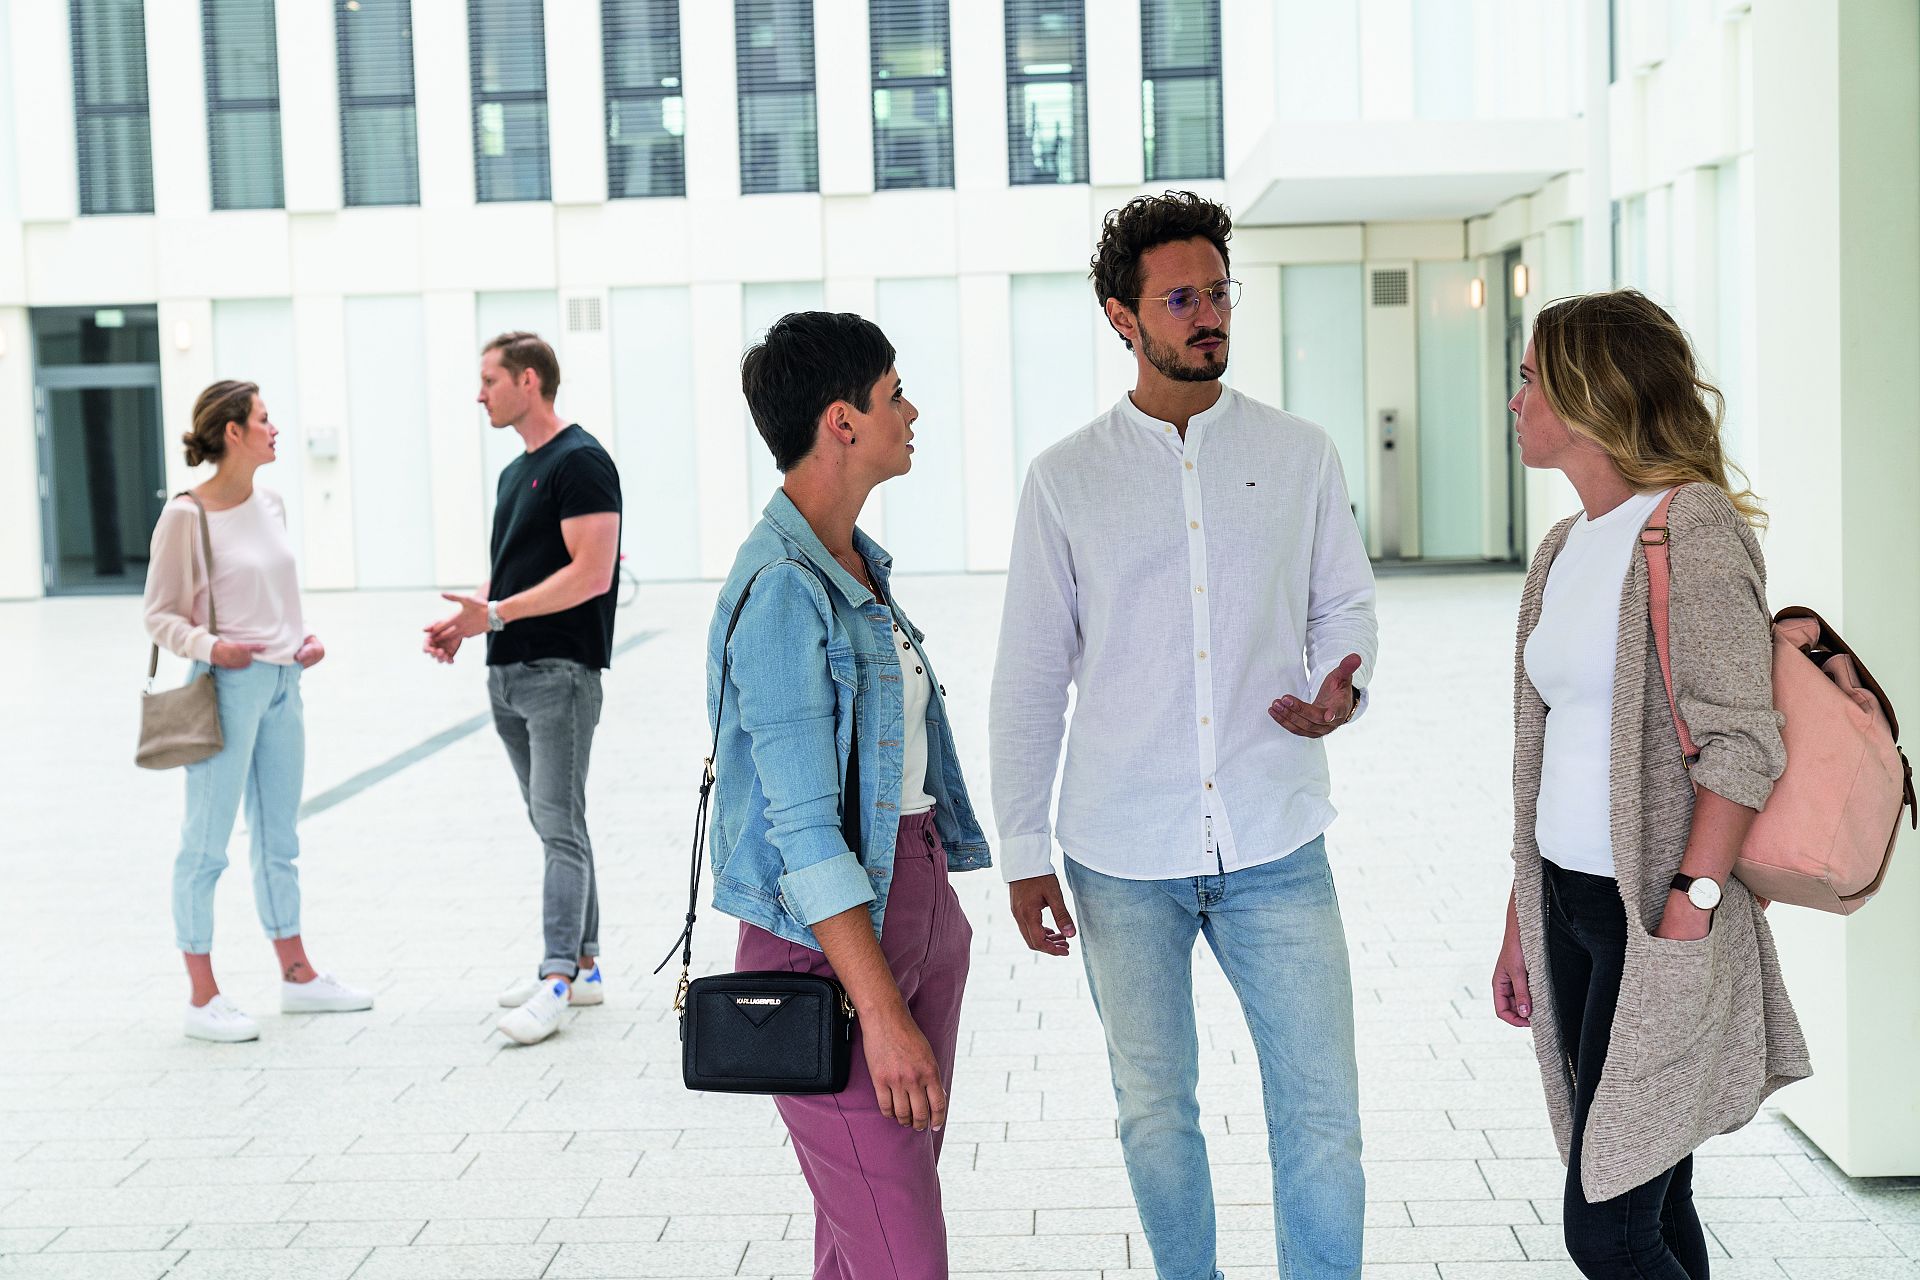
(540, 1016)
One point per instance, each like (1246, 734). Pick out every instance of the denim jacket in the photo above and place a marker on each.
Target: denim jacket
(812, 643)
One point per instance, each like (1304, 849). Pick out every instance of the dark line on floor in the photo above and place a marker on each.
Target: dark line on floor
(359, 782)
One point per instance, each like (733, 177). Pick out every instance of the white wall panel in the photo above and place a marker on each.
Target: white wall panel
(391, 459)
(1053, 363)
(656, 427)
(926, 508)
(1325, 367)
(1453, 441)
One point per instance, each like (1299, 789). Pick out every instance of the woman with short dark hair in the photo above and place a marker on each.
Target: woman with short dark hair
(823, 672)
(1646, 971)
(256, 658)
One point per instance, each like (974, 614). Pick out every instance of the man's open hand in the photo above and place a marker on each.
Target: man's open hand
(1333, 708)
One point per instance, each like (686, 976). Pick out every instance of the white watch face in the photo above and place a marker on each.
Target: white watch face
(1704, 893)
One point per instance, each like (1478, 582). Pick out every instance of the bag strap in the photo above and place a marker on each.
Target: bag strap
(213, 617)
(1654, 540)
(849, 810)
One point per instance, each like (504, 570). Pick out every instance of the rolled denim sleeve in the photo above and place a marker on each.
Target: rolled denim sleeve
(785, 694)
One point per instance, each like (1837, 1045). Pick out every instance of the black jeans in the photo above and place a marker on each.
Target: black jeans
(1652, 1231)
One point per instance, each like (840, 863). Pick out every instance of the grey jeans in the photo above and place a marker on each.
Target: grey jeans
(545, 711)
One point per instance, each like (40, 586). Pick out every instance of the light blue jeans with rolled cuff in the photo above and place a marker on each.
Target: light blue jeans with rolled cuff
(263, 764)
(1276, 931)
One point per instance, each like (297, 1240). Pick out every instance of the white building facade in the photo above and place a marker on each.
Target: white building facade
(344, 199)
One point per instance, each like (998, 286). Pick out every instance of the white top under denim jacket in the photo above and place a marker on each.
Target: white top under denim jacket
(810, 643)
(1180, 586)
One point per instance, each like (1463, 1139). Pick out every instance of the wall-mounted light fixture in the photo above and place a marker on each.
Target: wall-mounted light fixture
(182, 336)
(1476, 293)
(1522, 280)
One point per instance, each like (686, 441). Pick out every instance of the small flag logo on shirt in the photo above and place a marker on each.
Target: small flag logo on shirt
(536, 482)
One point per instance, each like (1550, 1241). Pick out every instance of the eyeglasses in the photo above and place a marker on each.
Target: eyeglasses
(1184, 303)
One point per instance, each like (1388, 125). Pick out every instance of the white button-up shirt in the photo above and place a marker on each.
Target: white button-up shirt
(1180, 587)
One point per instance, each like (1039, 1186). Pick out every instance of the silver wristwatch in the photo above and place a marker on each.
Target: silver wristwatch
(494, 621)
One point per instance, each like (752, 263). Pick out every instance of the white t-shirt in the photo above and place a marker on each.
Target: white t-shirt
(917, 693)
(1570, 658)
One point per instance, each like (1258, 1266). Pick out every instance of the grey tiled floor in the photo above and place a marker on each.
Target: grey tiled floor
(411, 1142)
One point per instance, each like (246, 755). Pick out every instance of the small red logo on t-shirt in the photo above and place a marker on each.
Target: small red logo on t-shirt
(536, 483)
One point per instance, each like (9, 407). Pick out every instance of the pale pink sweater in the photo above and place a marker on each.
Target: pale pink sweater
(254, 582)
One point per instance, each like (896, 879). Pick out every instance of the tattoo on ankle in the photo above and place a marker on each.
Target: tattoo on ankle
(294, 970)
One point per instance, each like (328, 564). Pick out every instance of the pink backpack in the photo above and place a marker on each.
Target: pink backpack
(1827, 833)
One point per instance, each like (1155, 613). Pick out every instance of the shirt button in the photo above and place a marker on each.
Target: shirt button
(1206, 719)
(1202, 590)
(1209, 784)
(917, 671)
(1193, 524)
(1189, 466)
(1203, 655)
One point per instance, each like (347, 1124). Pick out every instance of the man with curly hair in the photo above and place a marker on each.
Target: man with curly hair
(1188, 563)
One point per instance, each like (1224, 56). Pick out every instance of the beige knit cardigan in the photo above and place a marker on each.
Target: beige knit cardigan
(1704, 1030)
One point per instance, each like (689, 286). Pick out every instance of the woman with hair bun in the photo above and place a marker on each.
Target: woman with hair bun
(256, 658)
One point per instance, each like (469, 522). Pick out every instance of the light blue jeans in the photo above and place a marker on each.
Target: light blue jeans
(263, 762)
(1276, 931)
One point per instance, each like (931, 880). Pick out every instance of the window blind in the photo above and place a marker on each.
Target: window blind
(507, 45)
(379, 141)
(243, 103)
(912, 94)
(1180, 89)
(646, 113)
(113, 135)
(779, 129)
(1046, 91)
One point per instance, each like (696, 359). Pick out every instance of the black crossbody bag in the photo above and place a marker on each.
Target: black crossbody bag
(768, 1031)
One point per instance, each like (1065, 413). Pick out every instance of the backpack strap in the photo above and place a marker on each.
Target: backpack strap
(1654, 539)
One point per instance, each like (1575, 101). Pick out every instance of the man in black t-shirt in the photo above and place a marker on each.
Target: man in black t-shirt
(547, 613)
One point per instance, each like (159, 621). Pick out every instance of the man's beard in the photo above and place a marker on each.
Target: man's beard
(1170, 360)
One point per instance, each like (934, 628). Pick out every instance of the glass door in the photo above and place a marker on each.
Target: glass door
(98, 423)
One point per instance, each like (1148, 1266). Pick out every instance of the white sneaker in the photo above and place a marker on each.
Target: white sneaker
(539, 1017)
(587, 990)
(220, 1020)
(520, 992)
(325, 994)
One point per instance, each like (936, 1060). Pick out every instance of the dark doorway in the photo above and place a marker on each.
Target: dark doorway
(97, 418)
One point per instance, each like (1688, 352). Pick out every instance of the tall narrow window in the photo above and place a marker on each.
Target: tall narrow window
(646, 114)
(243, 104)
(1180, 89)
(379, 142)
(1046, 91)
(779, 132)
(912, 94)
(508, 47)
(111, 126)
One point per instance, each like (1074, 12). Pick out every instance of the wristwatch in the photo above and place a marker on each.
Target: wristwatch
(1702, 891)
(494, 621)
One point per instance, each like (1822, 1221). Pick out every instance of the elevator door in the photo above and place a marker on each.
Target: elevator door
(98, 425)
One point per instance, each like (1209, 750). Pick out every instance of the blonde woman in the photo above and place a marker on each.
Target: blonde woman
(257, 658)
(1646, 971)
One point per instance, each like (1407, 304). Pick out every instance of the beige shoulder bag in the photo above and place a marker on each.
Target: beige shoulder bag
(182, 726)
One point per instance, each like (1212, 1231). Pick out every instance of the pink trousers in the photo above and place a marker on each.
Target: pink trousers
(875, 1182)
